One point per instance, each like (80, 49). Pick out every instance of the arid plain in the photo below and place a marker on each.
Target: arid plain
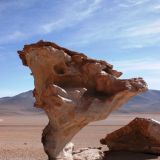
(20, 136)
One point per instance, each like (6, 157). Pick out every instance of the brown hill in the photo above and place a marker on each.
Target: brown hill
(22, 104)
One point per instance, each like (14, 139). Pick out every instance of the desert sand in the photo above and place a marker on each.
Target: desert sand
(20, 137)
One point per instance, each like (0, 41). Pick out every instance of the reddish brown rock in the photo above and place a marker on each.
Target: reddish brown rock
(140, 135)
(74, 90)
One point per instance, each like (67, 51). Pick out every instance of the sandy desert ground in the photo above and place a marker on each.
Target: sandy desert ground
(20, 137)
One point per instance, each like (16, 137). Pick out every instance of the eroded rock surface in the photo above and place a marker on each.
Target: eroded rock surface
(74, 90)
(90, 153)
(140, 135)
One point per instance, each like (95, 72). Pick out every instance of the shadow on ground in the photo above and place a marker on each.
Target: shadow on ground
(128, 156)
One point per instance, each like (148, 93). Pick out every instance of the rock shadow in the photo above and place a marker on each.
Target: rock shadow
(122, 155)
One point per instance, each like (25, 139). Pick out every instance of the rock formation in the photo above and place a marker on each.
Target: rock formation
(74, 90)
(140, 135)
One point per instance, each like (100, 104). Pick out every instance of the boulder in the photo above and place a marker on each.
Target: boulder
(140, 135)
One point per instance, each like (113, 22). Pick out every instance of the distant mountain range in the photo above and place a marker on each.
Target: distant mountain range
(147, 102)
(22, 104)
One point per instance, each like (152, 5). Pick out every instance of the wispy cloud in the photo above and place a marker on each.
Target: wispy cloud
(49, 27)
(129, 26)
(10, 37)
(149, 29)
(134, 36)
(155, 8)
(11, 21)
(75, 14)
(131, 46)
(138, 65)
(132, 3)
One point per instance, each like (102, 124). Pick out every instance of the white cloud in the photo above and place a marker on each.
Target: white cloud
(132, 3)
(130, 35)
(124, 25)
(90, 10)
(72, 16)
(128, 26)
(138, 65)
(15, 35)
(49, 27)
(128, 46)
(155, 8)
(137, 2)
(149, 29)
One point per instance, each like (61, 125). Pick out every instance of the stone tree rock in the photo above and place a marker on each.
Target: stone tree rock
(74, 90)
(140, 135)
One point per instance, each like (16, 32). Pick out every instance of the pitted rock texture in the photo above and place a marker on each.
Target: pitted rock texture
(140, 135)
(74, 90)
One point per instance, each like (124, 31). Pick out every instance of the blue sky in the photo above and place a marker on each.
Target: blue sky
(125, 33)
